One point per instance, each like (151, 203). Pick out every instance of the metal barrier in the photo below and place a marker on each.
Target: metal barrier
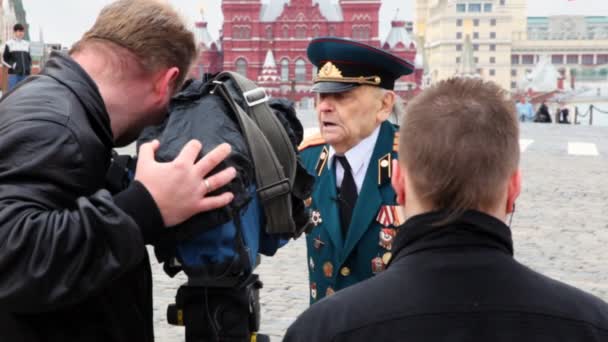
(588, 113)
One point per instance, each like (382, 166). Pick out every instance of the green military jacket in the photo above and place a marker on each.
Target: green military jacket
(334, 261)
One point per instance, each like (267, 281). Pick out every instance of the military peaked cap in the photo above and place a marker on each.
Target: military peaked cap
(344, 64)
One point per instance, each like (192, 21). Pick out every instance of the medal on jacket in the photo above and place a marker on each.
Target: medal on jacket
(318, 243)
(384, 169)
(329, 292)
(308, 202)
(312, 264)
(385, 216)
(377, 265)
(386, 258)
(391, 215)
(313, 290)
(387, 235)
(328, 269)
(315, 217)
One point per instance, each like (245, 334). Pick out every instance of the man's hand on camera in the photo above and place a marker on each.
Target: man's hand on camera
(180, 188)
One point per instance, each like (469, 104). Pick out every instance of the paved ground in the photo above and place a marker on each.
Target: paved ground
(560, 227)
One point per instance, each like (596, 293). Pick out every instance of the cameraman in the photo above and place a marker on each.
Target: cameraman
(72, 257)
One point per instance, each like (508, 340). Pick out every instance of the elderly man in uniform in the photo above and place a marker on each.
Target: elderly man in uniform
(353, 205)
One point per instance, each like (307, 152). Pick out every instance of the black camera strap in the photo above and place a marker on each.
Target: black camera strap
(269, 144)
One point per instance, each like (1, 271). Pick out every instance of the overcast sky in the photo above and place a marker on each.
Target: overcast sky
(64, 21)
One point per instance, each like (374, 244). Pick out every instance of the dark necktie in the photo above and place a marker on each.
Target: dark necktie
(347, 194)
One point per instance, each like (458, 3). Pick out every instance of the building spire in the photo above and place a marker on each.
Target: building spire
(269, 70)
(202, 33)
(467, 60)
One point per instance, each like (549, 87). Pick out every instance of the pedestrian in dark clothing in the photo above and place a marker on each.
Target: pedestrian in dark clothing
(453, 276)
(73, 261)
(564, 116)
(542, 115)
(16, 57)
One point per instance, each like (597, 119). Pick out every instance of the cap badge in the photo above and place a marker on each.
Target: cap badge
(329, 70)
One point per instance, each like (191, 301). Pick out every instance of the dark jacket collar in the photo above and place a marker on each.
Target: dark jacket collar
(66, 71)
(473, 228)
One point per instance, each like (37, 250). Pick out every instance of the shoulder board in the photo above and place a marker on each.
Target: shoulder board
(396, 142)
(313, 140)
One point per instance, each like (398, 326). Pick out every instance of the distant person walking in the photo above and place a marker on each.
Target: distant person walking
(542, 115)
(564, 112)
(16, 57)
(525, 112)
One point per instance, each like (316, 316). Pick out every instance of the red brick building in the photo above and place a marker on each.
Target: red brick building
(267, 41)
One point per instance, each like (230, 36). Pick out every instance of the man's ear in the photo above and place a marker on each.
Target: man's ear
(165, 86)
(398, 182)
(386, 105)
(513, 190)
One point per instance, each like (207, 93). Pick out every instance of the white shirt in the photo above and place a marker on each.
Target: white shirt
(358, 157)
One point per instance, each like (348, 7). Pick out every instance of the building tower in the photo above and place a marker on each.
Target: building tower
(210, 50)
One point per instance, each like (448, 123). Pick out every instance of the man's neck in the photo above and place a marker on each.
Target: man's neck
(112, 91)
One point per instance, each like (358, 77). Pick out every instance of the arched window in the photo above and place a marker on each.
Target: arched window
(284, 70)
(315, 31)
(241, 66)
(365, 32)
(301, 31)
(246, 34)
(315, 71)
(332, 30)
(269, 32)
(285, 32)
(300, 70)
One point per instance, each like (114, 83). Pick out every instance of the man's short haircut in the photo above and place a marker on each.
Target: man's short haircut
(460, 144)
(18, 27)
(151, 30)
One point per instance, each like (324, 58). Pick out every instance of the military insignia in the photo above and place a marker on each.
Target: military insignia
(308, 202)
(385, 169)
(329, 292)
(385, 216)
(386, 258)
(399, 214)
(396, 143)
(311, 263)
(313, 290)
(387, 235)
(315, 139)
(391, 215)
(323, 157)
(318, 243)
(345, 271)
(328, 269)
(315, 217)
(329, 70)
(377, 265)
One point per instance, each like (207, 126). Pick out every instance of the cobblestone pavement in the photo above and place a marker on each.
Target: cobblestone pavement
(560, 228)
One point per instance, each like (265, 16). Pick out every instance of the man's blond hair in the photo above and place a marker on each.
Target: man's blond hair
(460, 144)
(150, 30)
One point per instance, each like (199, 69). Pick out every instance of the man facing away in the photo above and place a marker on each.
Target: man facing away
(453, 276)
(353, 204)
(16, 57)
(73, 261)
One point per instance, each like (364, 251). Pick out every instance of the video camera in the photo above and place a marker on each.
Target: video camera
(218, 250)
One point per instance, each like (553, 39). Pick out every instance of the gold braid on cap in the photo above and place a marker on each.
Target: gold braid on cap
(330, 73)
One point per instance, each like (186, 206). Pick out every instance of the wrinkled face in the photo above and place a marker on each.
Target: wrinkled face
(347, 118)
(19, 34)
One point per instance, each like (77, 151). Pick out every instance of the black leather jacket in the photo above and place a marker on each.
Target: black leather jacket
(73, 265)
(457, 282)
